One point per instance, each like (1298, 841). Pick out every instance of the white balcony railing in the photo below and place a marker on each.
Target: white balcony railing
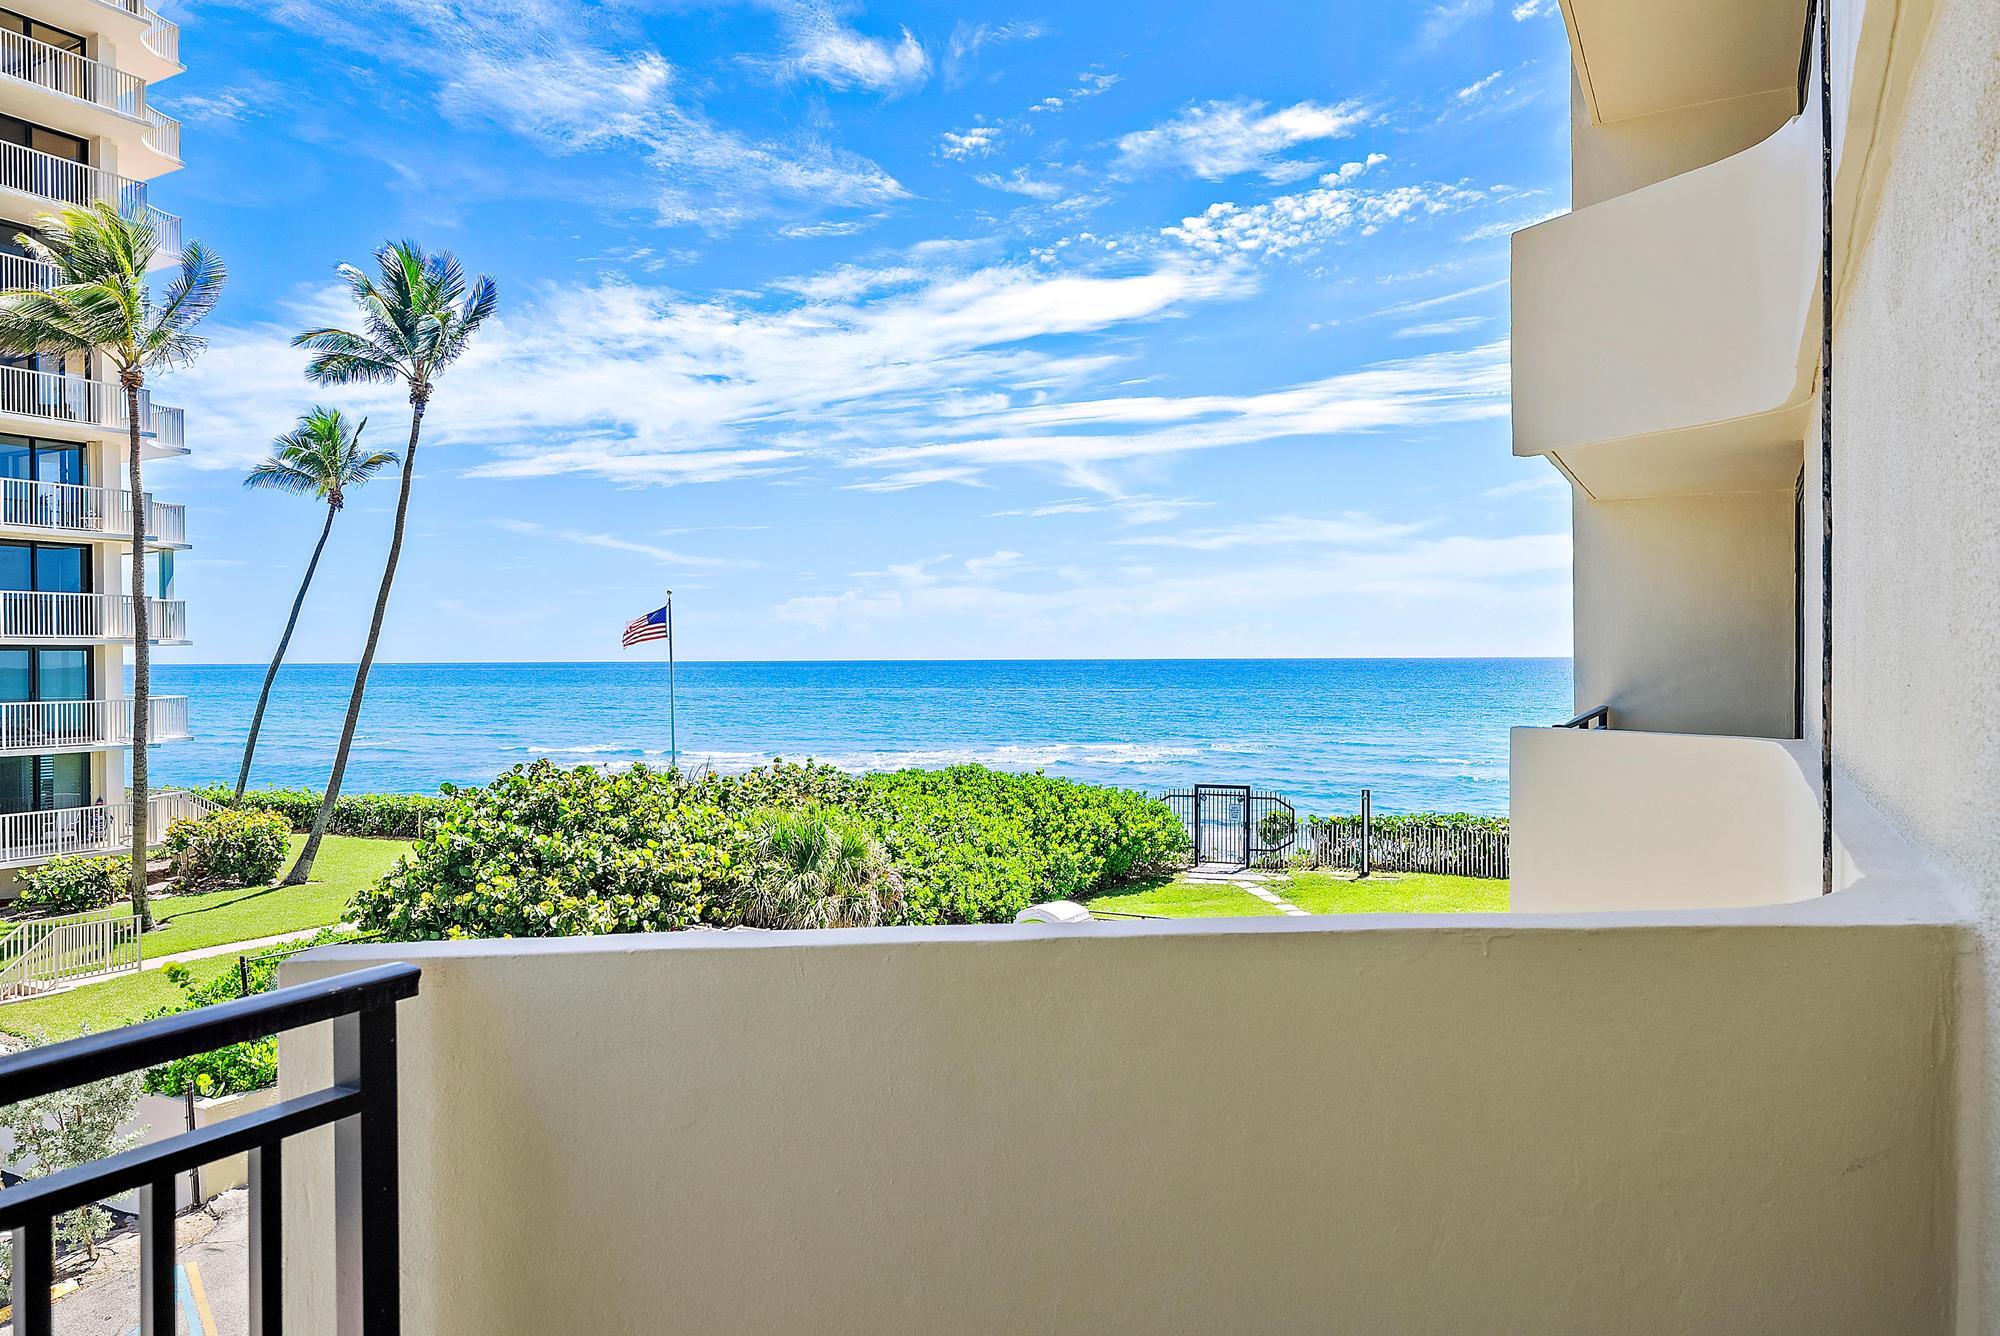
(70, 74)
(32, 615)
(162, 37)
(66, 181)
(36, 837)
(18, 271)
(37, 727)
(25, 504)
(60, 397)
(164, 135)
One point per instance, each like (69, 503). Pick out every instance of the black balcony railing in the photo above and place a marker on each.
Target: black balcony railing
(361, 1102)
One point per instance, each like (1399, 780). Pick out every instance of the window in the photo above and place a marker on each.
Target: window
(44, 783)
(29, 459)
(47, 568)
(46, 33)
(45, 675)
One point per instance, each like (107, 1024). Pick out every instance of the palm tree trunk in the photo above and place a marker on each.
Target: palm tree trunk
(142, 658)
(284, 641)
(302, 869)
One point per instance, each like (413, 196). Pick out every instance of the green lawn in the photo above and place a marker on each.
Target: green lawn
(1182, 899)
(190, 922)
(1394, 893)
(344, 866)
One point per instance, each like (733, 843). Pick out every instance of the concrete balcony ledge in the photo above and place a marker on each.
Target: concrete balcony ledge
(1663, 340)
(1719, 1120)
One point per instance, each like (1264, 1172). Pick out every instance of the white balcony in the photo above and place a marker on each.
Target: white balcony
(68, 510)
(39, 728)
(26, 615)
(27, 838)
(79, 408)
(49, 84)
(33, 183)
(1379, 1123)
(1635, 60)
(1664, 340)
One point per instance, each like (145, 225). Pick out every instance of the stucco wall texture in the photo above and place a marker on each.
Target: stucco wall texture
(1917, 521)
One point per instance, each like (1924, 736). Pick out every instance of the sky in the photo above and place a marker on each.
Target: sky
(885, 331)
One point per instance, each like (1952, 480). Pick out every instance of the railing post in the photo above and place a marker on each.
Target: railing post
(367, 1210)
(1367, 830)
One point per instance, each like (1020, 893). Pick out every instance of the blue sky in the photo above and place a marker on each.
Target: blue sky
(891, 331)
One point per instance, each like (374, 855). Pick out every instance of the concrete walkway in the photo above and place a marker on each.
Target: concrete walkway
(1256, 883)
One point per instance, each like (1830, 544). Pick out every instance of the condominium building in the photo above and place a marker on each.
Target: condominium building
(77, 126)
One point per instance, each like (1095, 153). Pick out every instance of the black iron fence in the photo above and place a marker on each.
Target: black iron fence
(361, 1103)
(1401, 845)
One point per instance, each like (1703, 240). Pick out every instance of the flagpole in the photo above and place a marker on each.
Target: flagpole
(673, 728)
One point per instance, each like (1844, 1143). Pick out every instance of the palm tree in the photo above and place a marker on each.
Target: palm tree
(816, 868)
(322, 458)
(417, 316)
(102, 304)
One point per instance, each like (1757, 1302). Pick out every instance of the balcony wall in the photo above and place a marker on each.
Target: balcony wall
(1660, 339)
(1724, 1122)
(1608, 819)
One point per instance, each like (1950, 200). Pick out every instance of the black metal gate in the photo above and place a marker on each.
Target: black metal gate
(1222, 835)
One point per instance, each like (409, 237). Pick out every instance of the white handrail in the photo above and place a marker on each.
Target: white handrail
(36, 837)
(62, 397)
(163, 39)
(60, 725)
(18, 271)
(81, 946)
(70, 74)
(34, 615)
(165, 134)
(73, 508)
(66, 181)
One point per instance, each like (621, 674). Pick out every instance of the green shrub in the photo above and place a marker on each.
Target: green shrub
(369, 815)
(975, 845)
(548, 852)
(544, 851)
(72, 885)
(227, 848)
(238, 1068)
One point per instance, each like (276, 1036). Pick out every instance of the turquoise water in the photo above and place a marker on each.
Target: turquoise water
(1424, 734)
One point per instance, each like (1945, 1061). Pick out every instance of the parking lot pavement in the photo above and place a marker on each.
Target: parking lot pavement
(213, 1280)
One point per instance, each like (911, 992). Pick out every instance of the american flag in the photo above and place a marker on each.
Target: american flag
(652, 626)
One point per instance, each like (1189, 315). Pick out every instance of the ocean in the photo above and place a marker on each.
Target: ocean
(1423, 734)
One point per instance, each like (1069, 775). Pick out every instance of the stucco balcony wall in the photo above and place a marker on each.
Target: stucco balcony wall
(1660, 338)
(1726, 1121)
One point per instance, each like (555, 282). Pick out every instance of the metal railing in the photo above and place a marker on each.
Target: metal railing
(53, 951)
(1597, 718)
(35, 727)
(360, 1105)
(36, 837)
(32, 615)
(61, 397)
(165, 134)
(72, 508)
(18, 271)
(163, 38)
(67, 181)
(70, 74)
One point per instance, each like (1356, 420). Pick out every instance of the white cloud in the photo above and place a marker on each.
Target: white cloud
(1476, 87)
(974, 142)
(1215, 140)
(1508, 226)
(611, 542)
(1448, 17)
(1529, 9)
(1019, 182)
(572, 77)
(1440, 328)
(1302, 222)
(824, 48)
(1445, 299)
(1134, 509)
(968, 39)
(1347, 530)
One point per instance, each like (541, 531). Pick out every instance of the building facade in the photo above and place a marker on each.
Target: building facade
(77, 126)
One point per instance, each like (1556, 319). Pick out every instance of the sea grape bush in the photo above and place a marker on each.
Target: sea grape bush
(369, 815)
(227, 848)
(1399, 821)
(237, 1068)
(71, 885)
(544, 851)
